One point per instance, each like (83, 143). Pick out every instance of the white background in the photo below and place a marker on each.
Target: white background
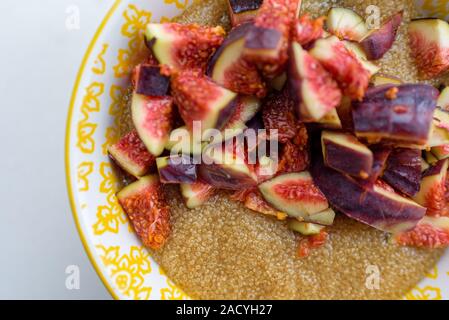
(39, 60)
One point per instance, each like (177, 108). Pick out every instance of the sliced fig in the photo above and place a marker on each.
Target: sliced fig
(381, 79)
(183, 46)
(229, 69)
(430, 233)
(396, 113)
(153, 120)
(294, 194)
(293, 158)
(424, 165)
(433, 188)
(182, 141)
(430, 158)
(330, 120)
(429, 43)
(443, 99)
(343, 65)
(305, 228)
(378, 41)
(358, 52)
(196, 194)
(267, 42)
(144, 203)
(266, 168)
(315, 92)
(324, 218)
(279, 82)
(306, 30)
(176, 169)
(344, 153)
(242, 11)
(403, 170)
(246, 109)
(200, 99)
(346, 24)
(439, 132)
(149, 81)
(131, 155)
(253, 200)
(441, 152)
(380, 156)
(226, 168)
(378, 206)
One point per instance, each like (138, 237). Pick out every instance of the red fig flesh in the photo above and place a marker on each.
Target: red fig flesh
(306, 30)
(196, 194)
(430, 233)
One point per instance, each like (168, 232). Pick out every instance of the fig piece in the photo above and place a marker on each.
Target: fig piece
(324, 218)
(246, 109)
(439, 132)
(229, 69)
(395, 113)
(149, 81)
(266, 43)
(304, 228)
(278, 113)
(440, 152)
(131, 155)
(226, 167)
(182, 141)
(344, 153)
(330, 120)
(196, 194)
(242, 11)
(153, 120)
(343, 65)
(378, 41)
(306, 30)
(443, 99)
(380, 156)
(346, 24)
(381, 79)
(145, 204)
(379, 206)
(430, 158)
(293, 158)
(403, 170)
(429, 43)
(200, 99)
(176, 169)
(253, 200)
(294, 194)
(433, 188)
(358, 52)
(430, 233)
(315, 92)
(183, 46)
(278, 83)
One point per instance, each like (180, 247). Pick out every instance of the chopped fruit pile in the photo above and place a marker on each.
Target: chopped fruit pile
(294, 121)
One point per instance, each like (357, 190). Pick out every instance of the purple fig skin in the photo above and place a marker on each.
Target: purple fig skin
(262, 38)
(434, 170)
(377, 43)
(403, 171)
(150, 82)
(347, 160)
(239, 6)
(380, 156)
(365, 205)
(225, 114)
(178, 169)
(406, 118)
(220, 178)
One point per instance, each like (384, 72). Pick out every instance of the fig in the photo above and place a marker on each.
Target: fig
(253, 200)
(266, 43)
(279, 82)
(430, 233)
(200, 99)
(378, 41)
(439, 132)
(293, 158)
(346, 24)
(343, 65)
(145, 204)
(153, 120)
(294, 194)
(226, 167)
(266, 168)
(242, 11)
(424, 165)
(312, 87)
(229, 69)
(182, 141)
(183, 46)
(149, 81)
(403, 170)
(278, 113)
(131, 155)
(379, 206)
(429, 43)
(324, 218)
(395, 113)
(330, 120)
(443, 99)
(433, 188)
(196, 194)
(380, 156)
(306, 30)
(246, 109)
(440, 152)
(176, 169)
(381, 79)
(358, 52)
(304, 228)
(344, 153)
(430, 158)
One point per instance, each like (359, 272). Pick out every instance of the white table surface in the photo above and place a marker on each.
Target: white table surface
(39, 59)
